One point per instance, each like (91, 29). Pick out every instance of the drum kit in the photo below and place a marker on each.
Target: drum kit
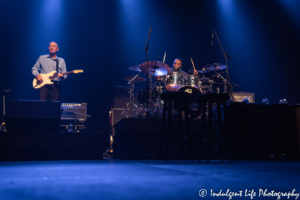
(167, 80)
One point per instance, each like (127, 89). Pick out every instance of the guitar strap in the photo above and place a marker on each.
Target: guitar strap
(57, 65)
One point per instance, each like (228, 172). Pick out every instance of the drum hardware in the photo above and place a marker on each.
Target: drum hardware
(159, 103)
(224, 81)
(131, 109)
(218, 76)
(147, 68)
(136, 79)
(151, 68)
(154, 68)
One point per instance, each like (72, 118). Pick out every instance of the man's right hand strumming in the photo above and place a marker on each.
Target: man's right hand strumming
(39, 78)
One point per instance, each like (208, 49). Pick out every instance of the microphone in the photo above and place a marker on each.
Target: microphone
(212, 39)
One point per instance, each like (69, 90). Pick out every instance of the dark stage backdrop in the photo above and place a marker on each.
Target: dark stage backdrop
(104, 38)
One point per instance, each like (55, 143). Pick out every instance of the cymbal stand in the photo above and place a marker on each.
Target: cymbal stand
(151, 103)
(159, 89)
(3, 123)
(203, 70)
(131, 107)
(229, 86)
(148, 78)
(225, 81)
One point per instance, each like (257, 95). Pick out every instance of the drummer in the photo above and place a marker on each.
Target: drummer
(177, 64)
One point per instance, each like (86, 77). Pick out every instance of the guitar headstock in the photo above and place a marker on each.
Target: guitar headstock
(77, 71)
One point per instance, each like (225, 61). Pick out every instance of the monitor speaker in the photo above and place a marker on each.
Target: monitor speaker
(33, 116)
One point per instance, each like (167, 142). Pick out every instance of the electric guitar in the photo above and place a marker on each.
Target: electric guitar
(48, 78)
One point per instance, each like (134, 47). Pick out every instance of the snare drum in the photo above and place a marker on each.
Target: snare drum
(174, 81)
(192, 80)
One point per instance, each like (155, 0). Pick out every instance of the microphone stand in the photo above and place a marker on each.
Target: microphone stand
(3, 123)
(229, 86)
(146, 50)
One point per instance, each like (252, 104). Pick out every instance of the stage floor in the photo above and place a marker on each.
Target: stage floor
(143, 179)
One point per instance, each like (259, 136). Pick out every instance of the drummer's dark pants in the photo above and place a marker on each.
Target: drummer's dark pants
(50, 91)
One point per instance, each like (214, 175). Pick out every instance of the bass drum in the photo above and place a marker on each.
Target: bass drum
(195, 108)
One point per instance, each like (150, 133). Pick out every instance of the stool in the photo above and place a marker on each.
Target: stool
(181, 98)
(221, 123)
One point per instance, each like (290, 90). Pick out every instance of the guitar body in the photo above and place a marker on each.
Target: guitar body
(46, 80)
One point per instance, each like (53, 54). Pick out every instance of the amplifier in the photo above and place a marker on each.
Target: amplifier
(70, 110)
(239, 96)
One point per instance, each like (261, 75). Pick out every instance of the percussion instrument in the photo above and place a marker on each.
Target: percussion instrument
(174, 81)
(193, 81)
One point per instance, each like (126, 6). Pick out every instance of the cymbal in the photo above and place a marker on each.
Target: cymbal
(215, 66)
(155, 68)
(135, 68)
(137, 79)
(201, 71)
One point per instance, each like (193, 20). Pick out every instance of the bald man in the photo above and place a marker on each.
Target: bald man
(46, 64)
(177, 64)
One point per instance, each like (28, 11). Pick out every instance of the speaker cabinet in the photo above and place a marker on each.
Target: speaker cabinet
(239, 96)
(32, 116)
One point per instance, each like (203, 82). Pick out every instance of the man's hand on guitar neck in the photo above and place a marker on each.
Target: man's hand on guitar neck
(61, 76)
(39, 78)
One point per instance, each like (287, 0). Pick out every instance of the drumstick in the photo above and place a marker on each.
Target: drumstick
(164, 57)
(193, 64)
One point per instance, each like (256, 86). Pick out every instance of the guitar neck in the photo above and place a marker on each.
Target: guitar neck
(70, 72)
(56, 75)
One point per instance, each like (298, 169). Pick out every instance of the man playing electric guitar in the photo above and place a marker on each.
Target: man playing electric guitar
(46, 64)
